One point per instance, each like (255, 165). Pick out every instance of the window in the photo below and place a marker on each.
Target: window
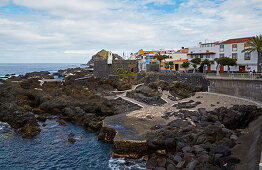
(247, 56)
(222, 48)
(234, 47)
(246, 46)
(221, 55)
(234, 56)
(208, 56)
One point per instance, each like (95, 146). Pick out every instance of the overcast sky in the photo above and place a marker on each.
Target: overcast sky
(73, 30)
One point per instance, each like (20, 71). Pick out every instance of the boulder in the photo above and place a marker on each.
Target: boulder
(71, 140)
(191, 165)
(197, 149)
(161, 162)
(170, 167)
(176, 159)
(181, 164)
(187, 149)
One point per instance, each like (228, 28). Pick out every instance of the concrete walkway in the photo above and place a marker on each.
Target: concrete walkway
(123, 96)
(208, 100)
(169, 103)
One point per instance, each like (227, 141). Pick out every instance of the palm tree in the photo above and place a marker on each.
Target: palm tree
(160, 57)
(255, 44)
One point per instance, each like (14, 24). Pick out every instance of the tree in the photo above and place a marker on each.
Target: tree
(167, 65)
(226, 61)
(160, 57)
(255, 44)
(205, 62)
(119, 71)
(185, 65)
(127, 72)
(195, 61)
(195, 66)
(171, 65)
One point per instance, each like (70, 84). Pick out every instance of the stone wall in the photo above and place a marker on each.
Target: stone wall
(126, 65)
(152, 67)
(190, 79)
(245, 88)
(103, 70)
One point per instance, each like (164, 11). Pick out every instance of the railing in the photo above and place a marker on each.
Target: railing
(236, 75)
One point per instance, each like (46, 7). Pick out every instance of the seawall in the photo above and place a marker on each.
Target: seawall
(240, 87)
(189, 79)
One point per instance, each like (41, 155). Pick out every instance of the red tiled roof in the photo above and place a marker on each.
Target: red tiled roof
(175, 61)
(201, 53)
(236, 40)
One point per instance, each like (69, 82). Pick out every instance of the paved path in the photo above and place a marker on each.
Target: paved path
(123, 96)
(169, 103)
(210, 101)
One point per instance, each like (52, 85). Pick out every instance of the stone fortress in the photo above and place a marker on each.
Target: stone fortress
(103, 67)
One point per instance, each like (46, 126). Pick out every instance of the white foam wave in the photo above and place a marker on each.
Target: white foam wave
(4, 125)
(127, 164)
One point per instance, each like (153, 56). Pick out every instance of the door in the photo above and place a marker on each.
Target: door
(221, 69)
(242, 68)
(177, 67)
(209, 68)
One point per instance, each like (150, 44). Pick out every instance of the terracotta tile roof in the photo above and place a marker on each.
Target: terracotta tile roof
(236, 40)
(175, 61)
(201, 53)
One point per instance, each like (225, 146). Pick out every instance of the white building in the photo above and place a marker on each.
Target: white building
(233, 48)
(230, 48)
(205, 51)
(177, 55)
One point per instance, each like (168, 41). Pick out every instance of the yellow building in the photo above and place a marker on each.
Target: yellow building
(177, 65)
(140, 52)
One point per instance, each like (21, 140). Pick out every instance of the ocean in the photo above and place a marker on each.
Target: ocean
(50, 149)
(23, 68)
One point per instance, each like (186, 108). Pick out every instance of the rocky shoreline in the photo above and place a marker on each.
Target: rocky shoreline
(78, 99)
(184, 139)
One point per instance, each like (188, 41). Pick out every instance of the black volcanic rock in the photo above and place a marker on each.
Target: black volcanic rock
(19, 119)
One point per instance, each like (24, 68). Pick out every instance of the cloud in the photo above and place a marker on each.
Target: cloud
(4, 2)
(74, 30)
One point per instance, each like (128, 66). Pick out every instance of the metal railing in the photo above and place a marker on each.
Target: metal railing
(236, 75)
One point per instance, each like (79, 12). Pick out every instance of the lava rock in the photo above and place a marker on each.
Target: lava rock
(71, 140)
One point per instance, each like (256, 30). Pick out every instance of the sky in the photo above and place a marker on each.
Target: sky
(71, 31)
